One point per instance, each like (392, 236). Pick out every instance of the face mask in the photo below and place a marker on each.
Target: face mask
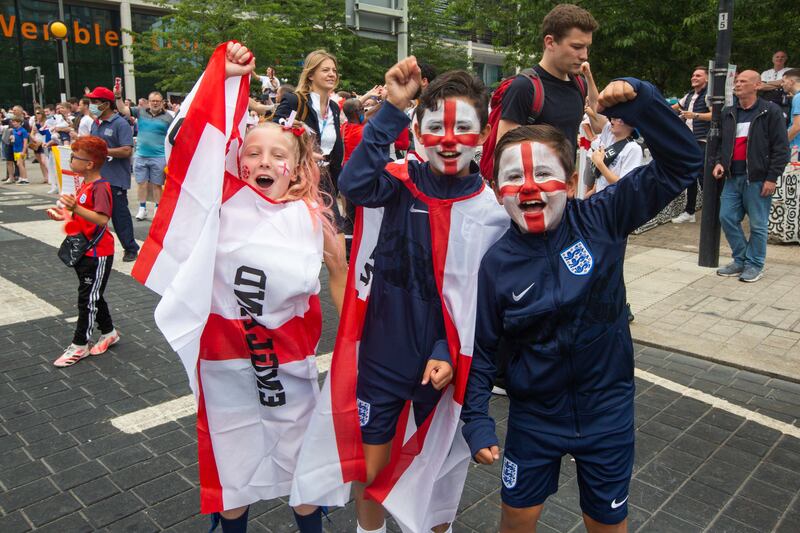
(94, 109)
(532, 186)
(450, 134)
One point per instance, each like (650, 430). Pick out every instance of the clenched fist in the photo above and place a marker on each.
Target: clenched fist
(403, 82)
(239, 61)
(616, 92)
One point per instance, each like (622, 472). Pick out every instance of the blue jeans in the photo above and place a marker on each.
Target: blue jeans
(739, 198)
(121, 217)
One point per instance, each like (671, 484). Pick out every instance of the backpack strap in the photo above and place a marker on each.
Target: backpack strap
(580, 83)
(537, 101)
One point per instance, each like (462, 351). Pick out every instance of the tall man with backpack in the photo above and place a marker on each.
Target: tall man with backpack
(552, 92)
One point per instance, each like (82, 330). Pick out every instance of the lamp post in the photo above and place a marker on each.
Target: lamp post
(38, 84)
(33, 92)
(708, 255)
(59, 32)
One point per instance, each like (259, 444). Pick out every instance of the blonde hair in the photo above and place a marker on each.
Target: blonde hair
(310, 65)
(305, 184)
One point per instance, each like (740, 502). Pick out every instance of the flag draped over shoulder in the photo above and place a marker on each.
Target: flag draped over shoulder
(422, 485)
(239, 280)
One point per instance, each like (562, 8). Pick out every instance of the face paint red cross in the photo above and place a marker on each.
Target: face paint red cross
(530, 188)
(449, 140)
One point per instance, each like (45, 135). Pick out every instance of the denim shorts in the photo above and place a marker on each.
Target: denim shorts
(149, 169)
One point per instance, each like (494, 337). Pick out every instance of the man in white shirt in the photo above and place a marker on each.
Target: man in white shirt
(85, 125)
(773, 78)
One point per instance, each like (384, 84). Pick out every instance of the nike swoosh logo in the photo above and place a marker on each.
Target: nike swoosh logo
(415, 210)
(518, 297)
(614, 503)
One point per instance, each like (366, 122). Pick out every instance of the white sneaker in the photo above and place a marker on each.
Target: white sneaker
(141, 213)
(683, 217)
(53, 190)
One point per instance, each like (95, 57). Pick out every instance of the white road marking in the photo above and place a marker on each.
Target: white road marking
(41, 207)
(719, 403)
(20, 305)
(50, 233)
(172, 410)
(156, 415)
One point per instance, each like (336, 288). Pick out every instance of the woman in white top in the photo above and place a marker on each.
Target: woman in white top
(315, 108)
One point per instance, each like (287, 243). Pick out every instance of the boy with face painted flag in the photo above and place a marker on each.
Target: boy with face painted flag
(408, 320)
(553, 287)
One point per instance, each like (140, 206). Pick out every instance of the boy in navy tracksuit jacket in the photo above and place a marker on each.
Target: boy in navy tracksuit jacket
(403, 354)
(553, 287)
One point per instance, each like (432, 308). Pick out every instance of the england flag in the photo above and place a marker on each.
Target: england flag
(422, 485)
(239, 278)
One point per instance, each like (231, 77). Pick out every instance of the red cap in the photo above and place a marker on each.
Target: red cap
(101, 93)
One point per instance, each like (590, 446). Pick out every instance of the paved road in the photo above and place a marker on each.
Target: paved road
(715, 450)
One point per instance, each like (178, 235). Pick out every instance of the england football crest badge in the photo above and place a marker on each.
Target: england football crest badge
(509, 473)
(82, 199)
(363, 413)
(578, 259)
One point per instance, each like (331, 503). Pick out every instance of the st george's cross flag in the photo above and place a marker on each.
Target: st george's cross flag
(422, 485)
(238, 276)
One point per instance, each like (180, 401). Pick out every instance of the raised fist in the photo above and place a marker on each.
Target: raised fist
(239, 61)
(616, 92)
(403, 81)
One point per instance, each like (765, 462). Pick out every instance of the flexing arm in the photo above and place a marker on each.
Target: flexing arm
(677, 160)
(364, 180)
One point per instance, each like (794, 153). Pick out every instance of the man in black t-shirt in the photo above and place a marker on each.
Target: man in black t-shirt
(567, 32)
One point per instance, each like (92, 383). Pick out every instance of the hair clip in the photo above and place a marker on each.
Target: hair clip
(288, 125)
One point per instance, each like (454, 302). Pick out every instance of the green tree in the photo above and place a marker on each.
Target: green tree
(435, 35)
(173, 53)
(650, 39)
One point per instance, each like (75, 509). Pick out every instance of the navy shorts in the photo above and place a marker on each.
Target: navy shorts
(532, 460)
(379, 409)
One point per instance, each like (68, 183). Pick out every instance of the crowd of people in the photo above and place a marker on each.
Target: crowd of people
(424, 258)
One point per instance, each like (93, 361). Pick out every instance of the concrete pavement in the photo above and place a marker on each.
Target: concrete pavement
(717, 446)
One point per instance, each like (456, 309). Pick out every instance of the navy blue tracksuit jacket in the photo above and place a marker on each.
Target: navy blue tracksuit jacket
(404, 325)
(559, 297)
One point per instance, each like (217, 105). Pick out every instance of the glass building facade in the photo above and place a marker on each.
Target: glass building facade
(94, 46)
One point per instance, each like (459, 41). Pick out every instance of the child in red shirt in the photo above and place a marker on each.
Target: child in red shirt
(90, 211)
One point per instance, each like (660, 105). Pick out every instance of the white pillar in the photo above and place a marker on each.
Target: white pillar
(129, 81)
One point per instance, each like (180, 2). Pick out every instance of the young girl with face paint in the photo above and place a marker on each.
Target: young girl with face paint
(254, 372)
(403, 353)
(552, 287)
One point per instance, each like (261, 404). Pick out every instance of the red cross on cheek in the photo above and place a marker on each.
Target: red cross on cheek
(285, 169)
(244, 172)
(449, 140)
